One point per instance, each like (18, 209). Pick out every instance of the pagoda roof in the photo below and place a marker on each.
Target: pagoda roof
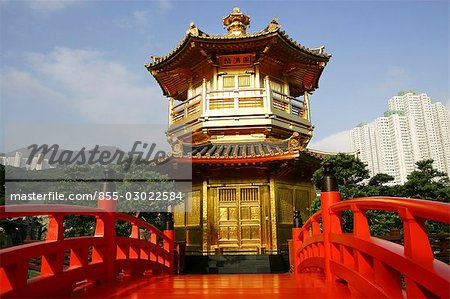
(248, 152)
(304, 65)
(202, 37)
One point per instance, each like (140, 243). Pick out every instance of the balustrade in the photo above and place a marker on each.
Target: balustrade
(185, 109)
(288, 104)
(373, 266)
(242, 101)
(92, 259)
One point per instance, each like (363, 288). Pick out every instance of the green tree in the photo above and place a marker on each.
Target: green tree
(381, 222)
(380, 179)
(350, 174)
(378, 185)
(427, 183)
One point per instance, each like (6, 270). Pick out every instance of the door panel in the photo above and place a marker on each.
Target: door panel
(228, 218)
(285, 197)
(250, 218)
(239, 217)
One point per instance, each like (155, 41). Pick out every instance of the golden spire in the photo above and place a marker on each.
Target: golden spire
(236, 23)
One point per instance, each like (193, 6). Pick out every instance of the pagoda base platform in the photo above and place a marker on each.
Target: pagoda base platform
(237, 264)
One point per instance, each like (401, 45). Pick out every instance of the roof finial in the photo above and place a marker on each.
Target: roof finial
(274, 26)
(193, 30)
(236, 23)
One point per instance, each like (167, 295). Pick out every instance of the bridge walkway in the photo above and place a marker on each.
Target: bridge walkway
(229, 286)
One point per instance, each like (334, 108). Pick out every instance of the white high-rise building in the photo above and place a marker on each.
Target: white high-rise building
(413, 129)
(363, 136)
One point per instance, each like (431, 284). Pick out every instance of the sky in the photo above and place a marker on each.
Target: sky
(82, 62)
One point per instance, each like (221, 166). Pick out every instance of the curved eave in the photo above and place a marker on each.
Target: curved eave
(189, 37)
(172, 54)
(316, 85)
(239, 160)
(252, 159)
(313, 53)
(318, 157)
(204, 44)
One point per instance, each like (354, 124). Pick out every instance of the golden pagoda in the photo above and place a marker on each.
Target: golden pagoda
(239, 112)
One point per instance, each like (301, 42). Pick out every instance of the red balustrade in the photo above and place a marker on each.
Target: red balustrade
(95, 259)
(372, 266)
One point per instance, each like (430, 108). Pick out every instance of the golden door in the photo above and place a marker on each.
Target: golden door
(239, 218)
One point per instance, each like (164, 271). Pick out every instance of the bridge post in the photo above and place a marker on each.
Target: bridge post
(169, 244)
(296, 231)
(330, 194)
(53, 264)
(416, 247)
(106, 227)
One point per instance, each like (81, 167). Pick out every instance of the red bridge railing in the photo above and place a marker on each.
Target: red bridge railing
(93, 259)
(372, 266)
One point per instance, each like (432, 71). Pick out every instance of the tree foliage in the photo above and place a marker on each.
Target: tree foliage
(353, 181)
(427, 183)
(350, 174)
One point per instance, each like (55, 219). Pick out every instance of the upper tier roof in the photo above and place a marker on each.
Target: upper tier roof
(302, 65)
(245, 152)
(195, 34)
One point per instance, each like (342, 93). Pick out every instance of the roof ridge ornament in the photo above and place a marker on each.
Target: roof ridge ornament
(155, 58)
(274, 25)
(294, 142)
(236, 23)
(193, 30)
(320, 49)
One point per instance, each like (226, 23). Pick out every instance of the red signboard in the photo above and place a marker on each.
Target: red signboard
(239, 60)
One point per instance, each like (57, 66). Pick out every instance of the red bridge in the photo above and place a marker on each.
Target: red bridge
(326, 261)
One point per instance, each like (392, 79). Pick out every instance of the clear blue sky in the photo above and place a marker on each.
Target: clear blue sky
(82, 62)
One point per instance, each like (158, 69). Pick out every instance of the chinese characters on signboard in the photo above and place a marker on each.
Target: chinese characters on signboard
(241, 60)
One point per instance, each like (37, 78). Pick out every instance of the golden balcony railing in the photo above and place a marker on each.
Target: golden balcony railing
(288, 104)
(186, 108)
(235, 99)
(240, 102)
